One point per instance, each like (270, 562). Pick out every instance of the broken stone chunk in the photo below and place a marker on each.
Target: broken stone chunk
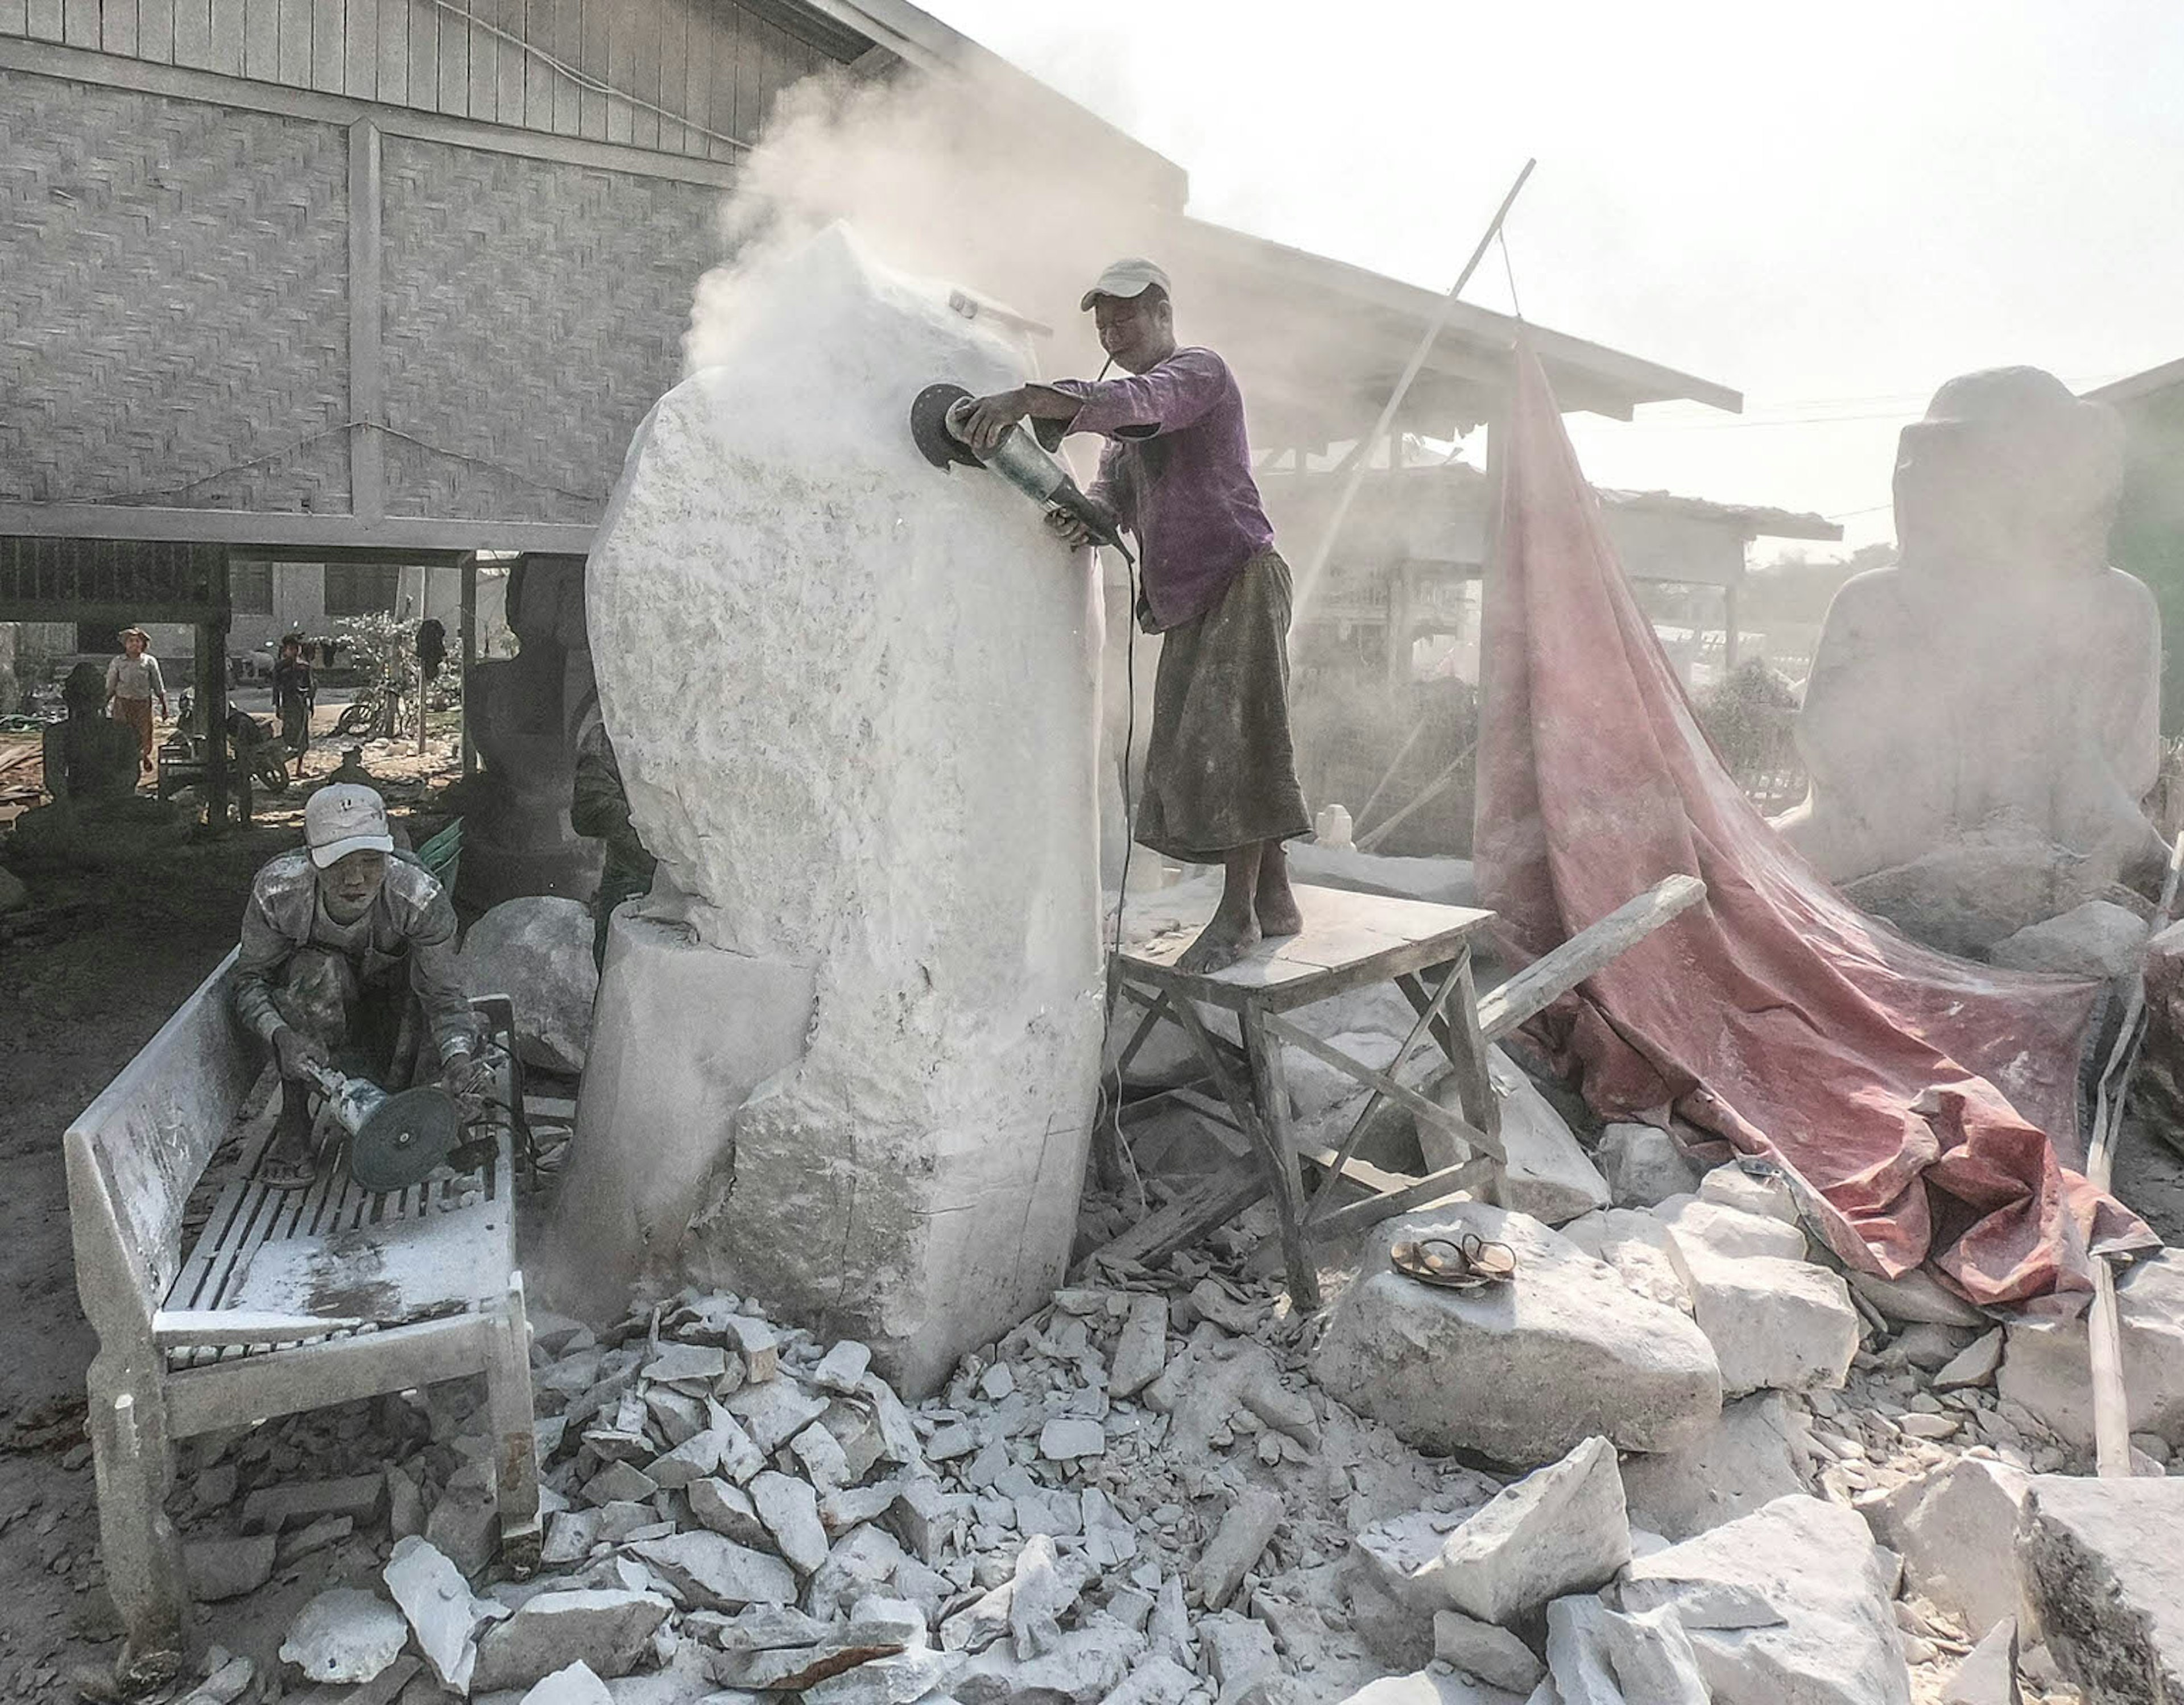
(1988, 1674)
(775, 1413)
(1561, 1530)
(824, 1463)
(759, 1346)
(694, 1365)
(1493, 1655)
(271, 1508)
(696, 1458)
(2105, 1575)
(896, 1681)
(1747, 1459)
(1068, 1437)
(1702, 1227)
(345, 1636)
(1814, 1569)
(1974, 1365)
(606, 1630)
(727, 1509)
(1764, 1192)
(575, 1685)
(1141, 1349)
(842, 1367)
(620, 1482)
(716, 1574)
(1775, 1324)
(224, 1569)
(1245, 1532)
(1643, 1166)
(1597, 1654)
(790, 1509)
(1521, 1373)
(434, 1599)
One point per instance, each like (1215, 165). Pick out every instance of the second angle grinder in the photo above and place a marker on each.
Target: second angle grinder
(936, 423)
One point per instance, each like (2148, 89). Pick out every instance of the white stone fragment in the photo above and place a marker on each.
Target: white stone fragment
(1141, 1348)
(1988, 1674)
(789, 1508)
(1974, 1365)
(1775, 1324)
(727, 1509)
(1068, 1438)
(2105, 1575)
(537, 948)
(842, 1367)
(717, 1573)
(1562, 1528)
(1764, 1192)
(1491, 1654)
(1601, 1657)
(2044, 1366)
(345, 1636)
(1814, 1569)
(574, 1685)
(1524, 1371)
(1643, 1165)
(1250, 1523)
(1702, 1227)
(436, 1599)
(607, 1629)
(1548, 1175)
(1756, 1452)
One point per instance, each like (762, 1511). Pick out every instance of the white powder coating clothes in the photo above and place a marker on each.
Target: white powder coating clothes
(854, 702)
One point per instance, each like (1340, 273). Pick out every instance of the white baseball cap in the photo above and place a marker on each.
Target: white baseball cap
(343, 819)
(1130, 277)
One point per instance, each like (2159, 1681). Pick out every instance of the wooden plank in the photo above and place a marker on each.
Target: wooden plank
(592, 61)
(510, 61)
(1270, 1089)
(79, 26)
(15, 18)
(261, 40)
(481, 92)
(1547, 979)
(674, 43)
(720, 107)
(193, 33)
(44, 20)
(338, 1371)
(622, 51)
(117, 26)
(360, 48)
(1214, 1202)
(327, 43)
(1474, 1175)
(367, 399)
(295, 42)
(537, 26)
(697, 79)
(454, 95)
(392, 49)
(1402, 1094)
(568, 46)
(192, 1328)
(1429, 1013)
(644, 72)
(1474, 1082)
(2111, 1402)
(155, 31)
(424, 77)
(750, 54)
(226, 52)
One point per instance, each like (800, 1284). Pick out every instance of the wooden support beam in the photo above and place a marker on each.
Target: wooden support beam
(1474, 1175)
(1214, 1203)
(367, 399)
(1547, 978)
(1402, 1094)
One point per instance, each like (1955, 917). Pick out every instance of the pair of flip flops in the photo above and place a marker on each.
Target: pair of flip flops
(1468, 1263)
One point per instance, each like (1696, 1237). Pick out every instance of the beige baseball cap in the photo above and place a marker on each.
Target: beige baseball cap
(1131, 275)
(343, 819)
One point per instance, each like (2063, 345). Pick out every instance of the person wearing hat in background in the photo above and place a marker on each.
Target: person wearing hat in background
(1220, 785)
(348, 960)
(132, 683)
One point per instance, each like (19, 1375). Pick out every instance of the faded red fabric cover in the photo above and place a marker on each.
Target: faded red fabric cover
(1908, 1089)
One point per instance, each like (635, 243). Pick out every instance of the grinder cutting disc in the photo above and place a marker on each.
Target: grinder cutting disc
(406, 1136)
(928, 427)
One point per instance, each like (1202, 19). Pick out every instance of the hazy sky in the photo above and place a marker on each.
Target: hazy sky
(1831, 209)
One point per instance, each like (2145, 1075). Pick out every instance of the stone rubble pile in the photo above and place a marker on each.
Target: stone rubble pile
(1749, 1482)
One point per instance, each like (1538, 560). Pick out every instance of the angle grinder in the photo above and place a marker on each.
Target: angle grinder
(394, 1139)
(937, 420)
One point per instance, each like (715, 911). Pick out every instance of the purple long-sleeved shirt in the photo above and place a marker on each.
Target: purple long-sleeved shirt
(1177, 468)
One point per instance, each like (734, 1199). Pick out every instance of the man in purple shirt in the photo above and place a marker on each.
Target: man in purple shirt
(1221, 784)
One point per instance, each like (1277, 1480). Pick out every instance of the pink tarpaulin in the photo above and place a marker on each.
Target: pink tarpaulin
(1909, 1090)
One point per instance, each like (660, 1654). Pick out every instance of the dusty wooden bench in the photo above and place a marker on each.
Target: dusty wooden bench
(287, 1301)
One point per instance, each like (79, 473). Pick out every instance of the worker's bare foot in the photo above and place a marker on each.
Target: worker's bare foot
(1221, 944)
(1274, 903)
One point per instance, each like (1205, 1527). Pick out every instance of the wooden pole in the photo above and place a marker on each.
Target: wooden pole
(1426, 795)
(2103, 1324)
(1308, 582)
(465, 647)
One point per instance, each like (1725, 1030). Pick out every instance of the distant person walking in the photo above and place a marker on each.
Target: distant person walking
(293, 695)
(132, 683)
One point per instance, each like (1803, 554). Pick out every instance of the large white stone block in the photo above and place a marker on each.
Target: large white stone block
(855, 703)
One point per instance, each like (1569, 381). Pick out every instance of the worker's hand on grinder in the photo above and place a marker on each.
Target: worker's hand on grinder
(466, 1077)
(990, 418)
(294, 1050)
(1069, 528)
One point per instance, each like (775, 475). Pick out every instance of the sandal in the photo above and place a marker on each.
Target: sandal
(1495, 1263)
(1436, 1261)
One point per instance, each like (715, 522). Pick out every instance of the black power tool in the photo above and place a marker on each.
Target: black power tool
(936, 421)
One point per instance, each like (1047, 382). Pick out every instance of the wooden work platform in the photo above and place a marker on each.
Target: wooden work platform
(1350, 941)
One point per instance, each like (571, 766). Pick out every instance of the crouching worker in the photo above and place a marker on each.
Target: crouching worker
(348, 960)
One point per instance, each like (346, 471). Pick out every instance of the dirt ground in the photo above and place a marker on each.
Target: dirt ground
(125, 949)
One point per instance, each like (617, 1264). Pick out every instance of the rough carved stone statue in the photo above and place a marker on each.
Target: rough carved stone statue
(97, 817)
(1982, 722)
